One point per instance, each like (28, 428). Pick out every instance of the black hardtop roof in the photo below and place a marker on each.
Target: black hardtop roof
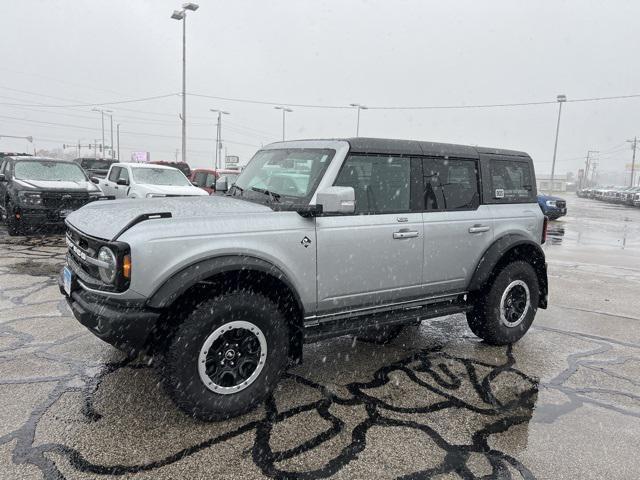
(416, 147)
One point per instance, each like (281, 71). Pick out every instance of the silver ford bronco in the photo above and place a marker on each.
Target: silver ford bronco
(316, 238)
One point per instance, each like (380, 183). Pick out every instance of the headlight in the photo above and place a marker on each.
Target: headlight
(108, 271)
(551, 203)
(30, 198)
(153, 195)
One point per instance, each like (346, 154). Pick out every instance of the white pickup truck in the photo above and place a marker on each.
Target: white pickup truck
(141, 180)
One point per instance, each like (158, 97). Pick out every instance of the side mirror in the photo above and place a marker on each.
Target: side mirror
(340, 200)
(2, 177)
(95, 180)
(195, 184)
(221, 185)
(122, 181)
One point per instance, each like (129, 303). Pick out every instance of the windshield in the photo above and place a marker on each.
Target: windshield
(48, 170)
(160, 176)
(290, 173)
(96, 164)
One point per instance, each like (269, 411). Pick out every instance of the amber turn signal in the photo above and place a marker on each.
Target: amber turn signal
(126, 266)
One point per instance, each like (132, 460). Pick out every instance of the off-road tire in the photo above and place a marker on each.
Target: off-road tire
(485, 318)
(13, 225)
(179, 364)
(381, 336)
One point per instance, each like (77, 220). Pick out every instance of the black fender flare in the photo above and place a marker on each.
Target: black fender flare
(500, 250)
(189, 276)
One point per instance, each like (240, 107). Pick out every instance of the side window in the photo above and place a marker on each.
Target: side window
(450, 184)
(199, 179)
(124, 174)
(113, 175)
(2, 165)
(381, 183)
(510, 181)
(210, 181)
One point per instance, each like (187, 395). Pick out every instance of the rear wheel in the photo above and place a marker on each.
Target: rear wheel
(504, 311)
(227, 356)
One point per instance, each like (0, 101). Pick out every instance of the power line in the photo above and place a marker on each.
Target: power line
(95, 104)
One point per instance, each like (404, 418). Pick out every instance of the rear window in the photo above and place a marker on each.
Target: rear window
(511, 182)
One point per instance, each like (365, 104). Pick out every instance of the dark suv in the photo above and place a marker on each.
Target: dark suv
(41, 191)
(95, 167)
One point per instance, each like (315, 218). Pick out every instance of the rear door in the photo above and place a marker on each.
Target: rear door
(4, 168)
(510, 191)
(374, 256)
(457, 228)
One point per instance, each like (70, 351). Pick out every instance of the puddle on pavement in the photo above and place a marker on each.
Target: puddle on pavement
(37, 269)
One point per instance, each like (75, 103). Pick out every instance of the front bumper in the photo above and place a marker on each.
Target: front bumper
(127, 325)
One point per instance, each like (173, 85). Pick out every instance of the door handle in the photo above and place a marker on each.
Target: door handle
(405, 234)
(478, 229)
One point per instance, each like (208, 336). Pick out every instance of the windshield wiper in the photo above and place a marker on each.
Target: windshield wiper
(274, 196)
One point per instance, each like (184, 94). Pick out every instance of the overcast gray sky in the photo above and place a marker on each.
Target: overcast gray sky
(333, 52)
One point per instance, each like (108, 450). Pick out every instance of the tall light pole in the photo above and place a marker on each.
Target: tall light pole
(102, 112)
(218, 135)
(118, 139)
(634, 146)
(182, 15)
(285, 110)
(111, 131)
(561, 99)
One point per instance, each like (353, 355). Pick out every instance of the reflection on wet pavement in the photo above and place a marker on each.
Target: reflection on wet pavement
(436, 403)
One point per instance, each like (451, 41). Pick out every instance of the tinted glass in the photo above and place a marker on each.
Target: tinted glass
(160, 176)
(199, 179)
(381, 183)
(96, 163)
(510, 181)
(48, 170)
(450, 184)
(124, 174)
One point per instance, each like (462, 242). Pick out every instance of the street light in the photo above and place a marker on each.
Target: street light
(561, 99)
(118, 138)
(359, 107)
(285, 110)
(28, 139)
(102, 112)
(182, 15)
(218, 134)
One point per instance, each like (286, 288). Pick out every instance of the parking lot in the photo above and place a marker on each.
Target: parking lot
(564, 402)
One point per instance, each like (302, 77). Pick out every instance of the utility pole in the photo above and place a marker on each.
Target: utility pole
(218, 156)
(102, 112)
(587, 164)
(111, 129)
(118, 139)
(634, 143)
(561, 99)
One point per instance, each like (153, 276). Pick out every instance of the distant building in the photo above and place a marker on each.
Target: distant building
(543, 182)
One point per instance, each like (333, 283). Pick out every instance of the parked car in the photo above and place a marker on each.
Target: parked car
(143, 180)
(37, 191)
(552, 207)
(95, 167)
(205, 178)
(316, 239)
(182, 166)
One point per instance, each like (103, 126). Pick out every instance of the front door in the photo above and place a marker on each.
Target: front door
(374, 256)
(457, 229)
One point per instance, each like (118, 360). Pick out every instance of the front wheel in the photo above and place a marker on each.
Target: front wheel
(227, 356)
(13, 224)
(503, 312)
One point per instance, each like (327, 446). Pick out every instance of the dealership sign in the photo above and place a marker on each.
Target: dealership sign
(140, 157)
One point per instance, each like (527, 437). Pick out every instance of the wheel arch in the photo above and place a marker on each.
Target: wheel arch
(507, 249)
(216, 275)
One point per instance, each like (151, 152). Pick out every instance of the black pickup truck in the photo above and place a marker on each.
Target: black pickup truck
(38, 191)
(95, 167)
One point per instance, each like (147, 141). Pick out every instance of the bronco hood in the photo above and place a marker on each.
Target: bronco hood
(105, 218)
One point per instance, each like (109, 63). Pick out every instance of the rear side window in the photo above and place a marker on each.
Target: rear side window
(200, 178)
(450, 184)
(511, 182)
(381, 183)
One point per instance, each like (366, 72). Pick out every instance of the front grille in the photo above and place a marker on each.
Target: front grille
(561, 203)
(78, 248)
(65, 200)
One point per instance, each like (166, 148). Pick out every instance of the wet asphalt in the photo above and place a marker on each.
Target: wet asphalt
(563, 403)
